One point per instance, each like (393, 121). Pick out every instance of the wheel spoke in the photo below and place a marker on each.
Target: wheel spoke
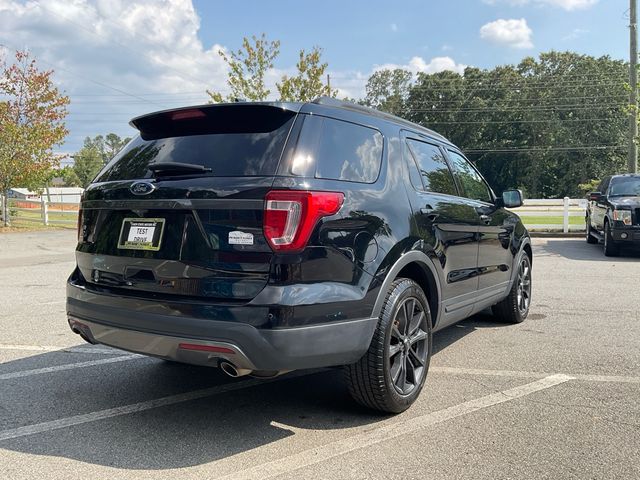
(416, 321)
(396, 370)
(396, 333)
(409, 307)
(394, 349)
(415, 359)
(403, 374)
(418, 336)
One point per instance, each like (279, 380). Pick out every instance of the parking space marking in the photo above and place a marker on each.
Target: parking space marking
(525, 374)
(142, 406)
(343, 446)
(48, 348)
(68, 366)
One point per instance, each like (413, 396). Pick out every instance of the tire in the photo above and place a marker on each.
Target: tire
(515, 307)
(590, 238)
(611, 249)
(390, 376)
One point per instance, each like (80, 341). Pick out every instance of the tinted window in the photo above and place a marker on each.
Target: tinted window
(625, 186)
(252, 148)
(337, 150)
(471, 182)
(436, 176)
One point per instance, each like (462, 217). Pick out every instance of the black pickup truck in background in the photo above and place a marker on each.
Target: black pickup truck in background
(613, 213)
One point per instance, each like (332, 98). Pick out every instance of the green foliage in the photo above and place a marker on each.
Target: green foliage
(69, 177)
(388, 91)
(532, 125)
(247, 68)
(590, 186)
(308, 83)
(249, 65)
(87, 163)
(107, 146)
(32, 113)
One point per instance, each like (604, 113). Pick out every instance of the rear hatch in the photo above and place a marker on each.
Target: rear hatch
(179, 212)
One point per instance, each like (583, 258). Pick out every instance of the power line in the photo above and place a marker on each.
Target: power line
(6, 44)
(545, 149)
(549, 108)
(571, 120)
(140, 52)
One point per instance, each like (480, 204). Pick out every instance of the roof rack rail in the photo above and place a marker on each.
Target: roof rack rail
(334, 102)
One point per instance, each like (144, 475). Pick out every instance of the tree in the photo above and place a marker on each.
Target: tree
(308, 83)
(247, 68)
(69, 176)
(32, 116)
(107, 146)
(388, 90)
(87, 162)
(546, 125)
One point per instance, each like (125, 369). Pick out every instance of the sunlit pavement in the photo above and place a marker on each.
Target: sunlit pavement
(555, 397)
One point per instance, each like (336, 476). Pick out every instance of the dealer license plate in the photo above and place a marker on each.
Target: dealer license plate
(141, 233)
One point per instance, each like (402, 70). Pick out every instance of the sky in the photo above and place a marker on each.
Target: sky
(117, 59)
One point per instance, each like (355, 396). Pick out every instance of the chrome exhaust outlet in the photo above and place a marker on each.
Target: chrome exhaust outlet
(233, 371)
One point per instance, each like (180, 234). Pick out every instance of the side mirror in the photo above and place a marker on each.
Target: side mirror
(595, 196)
(512, 198)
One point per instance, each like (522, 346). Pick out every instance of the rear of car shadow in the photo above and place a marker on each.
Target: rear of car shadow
(180, 435)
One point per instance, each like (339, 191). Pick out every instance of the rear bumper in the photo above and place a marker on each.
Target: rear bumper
(153, 329)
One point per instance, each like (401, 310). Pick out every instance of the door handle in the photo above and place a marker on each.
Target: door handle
(429, 212)
(486, 219)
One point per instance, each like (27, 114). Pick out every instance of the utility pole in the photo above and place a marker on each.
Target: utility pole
(633, 82)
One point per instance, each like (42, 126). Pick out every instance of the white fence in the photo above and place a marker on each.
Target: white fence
(551, 215)
(61, 211)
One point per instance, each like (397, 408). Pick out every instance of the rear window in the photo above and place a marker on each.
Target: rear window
(337, 150)
(232, 141)
(625, 187)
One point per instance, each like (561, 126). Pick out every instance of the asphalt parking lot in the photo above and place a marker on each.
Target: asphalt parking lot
(555, 397)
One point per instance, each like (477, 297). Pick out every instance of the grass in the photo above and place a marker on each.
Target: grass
(32, 220)
(534, 220)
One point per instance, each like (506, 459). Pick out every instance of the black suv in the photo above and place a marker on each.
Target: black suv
(613, 213)
(267, 237)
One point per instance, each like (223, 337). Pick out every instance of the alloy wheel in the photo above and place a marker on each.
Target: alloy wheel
(408, 346)
(523, 297)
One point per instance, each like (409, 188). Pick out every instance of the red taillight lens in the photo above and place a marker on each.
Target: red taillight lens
(290, 216)
(79, 227)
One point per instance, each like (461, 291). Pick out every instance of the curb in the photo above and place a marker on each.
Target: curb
(556, 234)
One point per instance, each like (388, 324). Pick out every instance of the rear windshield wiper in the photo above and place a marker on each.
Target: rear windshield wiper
(177, 168)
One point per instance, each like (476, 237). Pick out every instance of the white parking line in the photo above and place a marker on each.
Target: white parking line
(49, 348)
(316, 455)
(141, 406)
(68, 366)
(524, 374)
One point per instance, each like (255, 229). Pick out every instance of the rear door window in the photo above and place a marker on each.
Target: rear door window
(435, 173)
(232, 141)
(337, 150)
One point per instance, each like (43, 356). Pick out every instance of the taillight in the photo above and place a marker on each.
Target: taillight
(79, 227)
(291, 215)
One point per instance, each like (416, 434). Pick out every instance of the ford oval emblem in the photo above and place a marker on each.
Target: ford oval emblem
(142, 188)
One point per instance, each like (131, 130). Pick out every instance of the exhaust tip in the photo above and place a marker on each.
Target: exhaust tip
(231, 370)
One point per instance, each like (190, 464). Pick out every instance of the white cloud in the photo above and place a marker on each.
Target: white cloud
(575, 33)
(394, 27)
(512, 33)
(420, 65)
(568, 5)
(148, 48)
